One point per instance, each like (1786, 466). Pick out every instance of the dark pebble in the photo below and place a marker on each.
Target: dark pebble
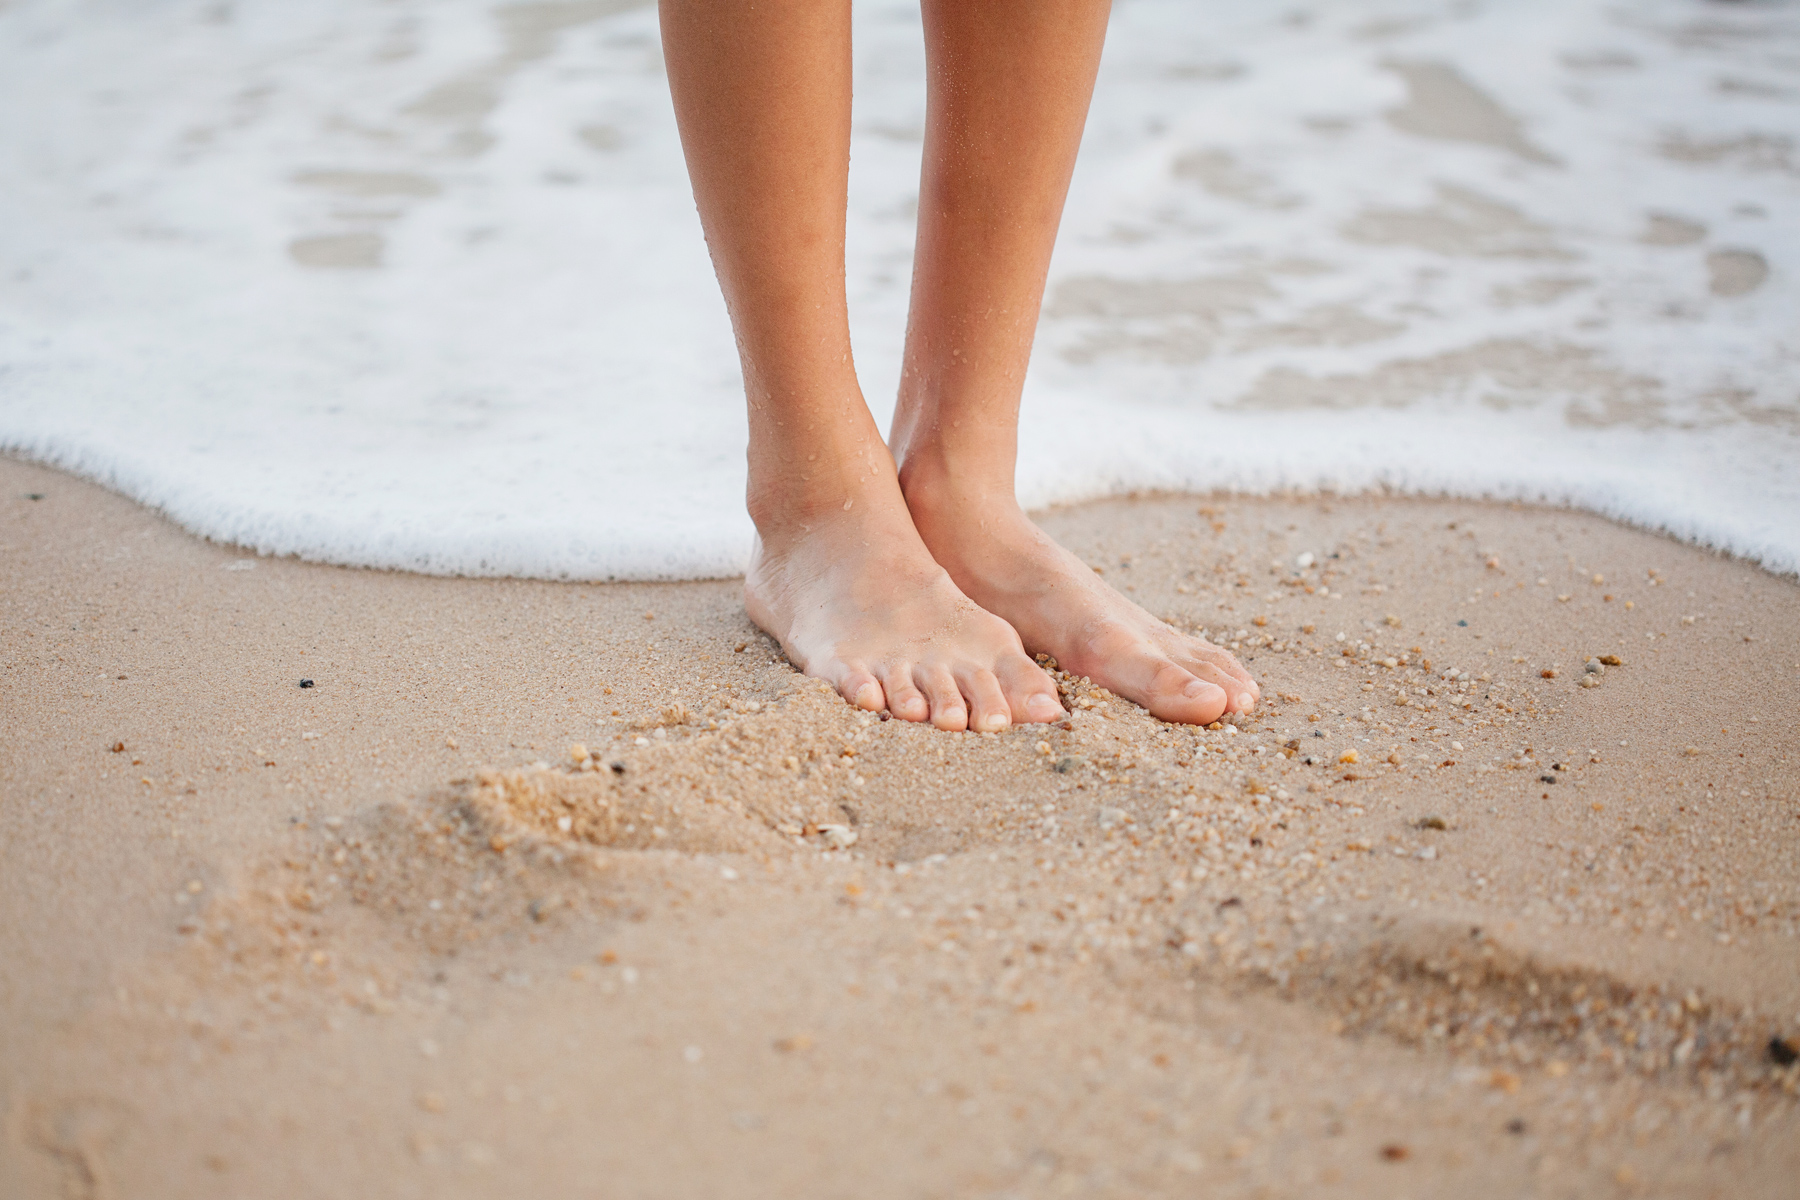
(618, 768)
(1433, 823)
(1547, 778)
(1463, 623)
(306, 683)
(1231, 902)
(886, 715)
(1515, 1126)
(34, 495)
(1782, 1051)
(1395, 1152)
(1067, 763)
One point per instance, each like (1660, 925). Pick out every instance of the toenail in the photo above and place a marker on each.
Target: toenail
(993, 721)
(1043, 708)
(868, 696)
(1246, 702)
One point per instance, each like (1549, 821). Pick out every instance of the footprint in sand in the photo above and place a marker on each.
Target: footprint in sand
(79, 1133)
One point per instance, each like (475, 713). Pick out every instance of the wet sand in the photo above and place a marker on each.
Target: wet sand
(391, 934)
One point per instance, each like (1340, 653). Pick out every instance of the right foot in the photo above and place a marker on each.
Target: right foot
(855, 599)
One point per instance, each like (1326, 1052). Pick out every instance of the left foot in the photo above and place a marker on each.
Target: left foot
(1060, 607)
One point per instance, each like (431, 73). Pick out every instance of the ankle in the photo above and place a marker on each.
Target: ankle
(941, 482)
(831, 470)
(796, 503)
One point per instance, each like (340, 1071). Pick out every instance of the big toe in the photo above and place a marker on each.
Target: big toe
(1241, 693)
(1173, 694)
(1030, 693)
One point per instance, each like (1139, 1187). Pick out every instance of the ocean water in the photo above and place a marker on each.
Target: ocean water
(419, 284)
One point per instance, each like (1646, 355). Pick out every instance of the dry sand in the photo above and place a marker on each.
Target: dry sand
(386, 936)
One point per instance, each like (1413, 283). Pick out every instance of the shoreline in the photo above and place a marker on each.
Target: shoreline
(1104, 966)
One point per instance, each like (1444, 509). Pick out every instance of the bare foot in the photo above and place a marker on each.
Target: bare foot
(855, 599)
(1060, 607)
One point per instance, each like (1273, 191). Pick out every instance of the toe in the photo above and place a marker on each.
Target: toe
(904, 700)
(1241, 693)
(1220, 668)
(948, 711)
(1172, 693)
(861, 689)
(988, 711)
(1030, 694)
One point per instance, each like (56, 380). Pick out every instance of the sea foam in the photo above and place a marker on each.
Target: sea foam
(420, 285)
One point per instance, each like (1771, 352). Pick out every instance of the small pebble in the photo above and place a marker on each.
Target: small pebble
(306, 683)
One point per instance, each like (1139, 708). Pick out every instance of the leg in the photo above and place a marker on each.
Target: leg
(1010, 82)
(839, 575)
